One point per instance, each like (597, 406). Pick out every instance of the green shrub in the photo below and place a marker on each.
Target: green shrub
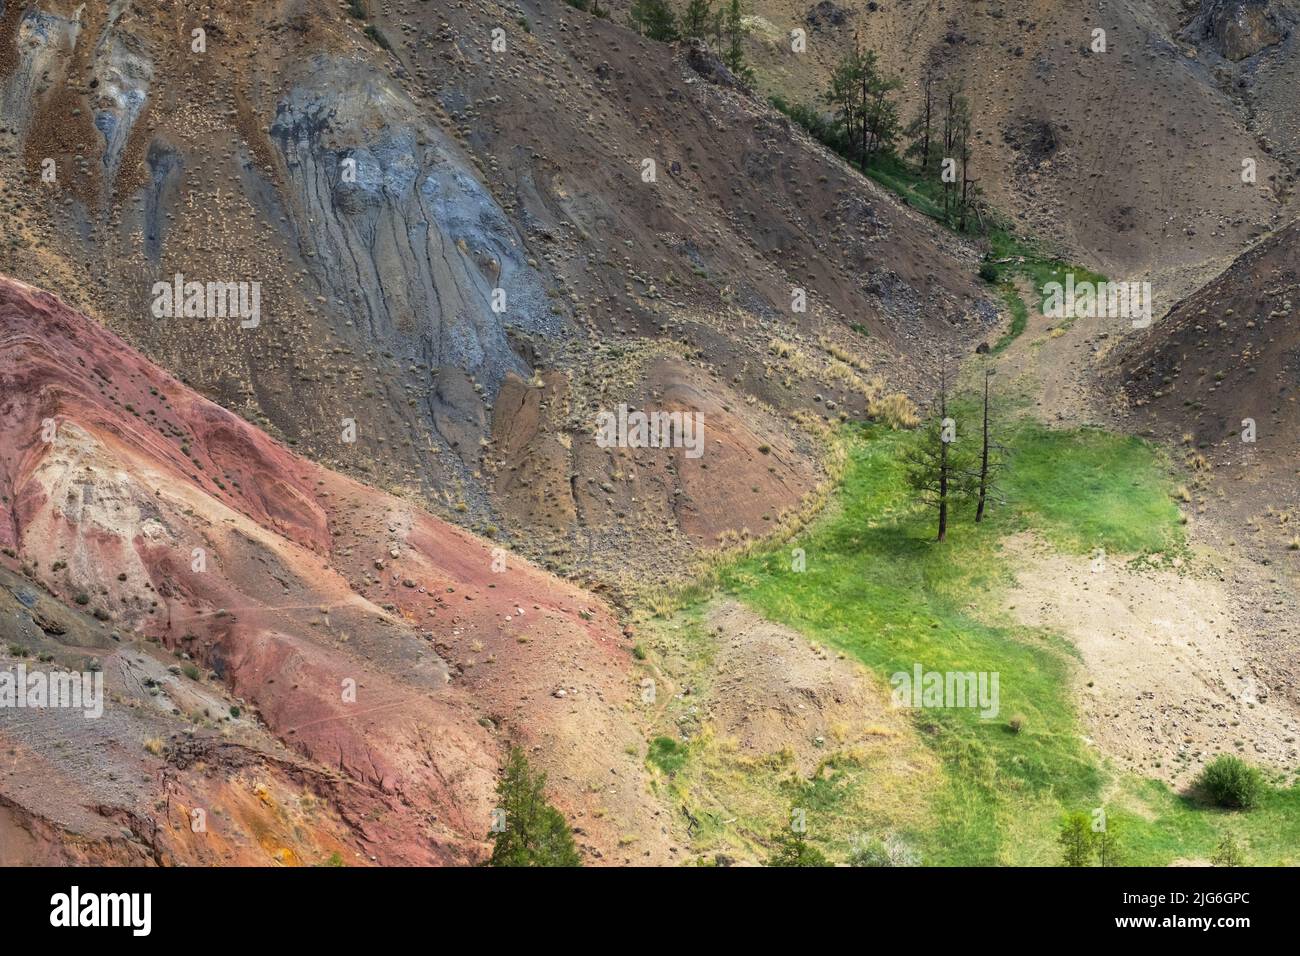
(876, 852)
(793, 850)
(1230, 782)
(667, 754)
(1076, 839)
(1227, 853)
(534, 832)
(989, 273)
(654, 19)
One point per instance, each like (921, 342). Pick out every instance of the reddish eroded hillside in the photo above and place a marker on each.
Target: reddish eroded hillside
(395, 655)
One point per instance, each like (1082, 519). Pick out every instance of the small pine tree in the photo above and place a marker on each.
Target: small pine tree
(920, 131)
(938, 469)
(1076, 839)
(698, 20)
(844, 97)
(880, 121)
(734, 30)
(959, 191)
(654, 19)
(1227, 853)
(535, 833)
(860, 93)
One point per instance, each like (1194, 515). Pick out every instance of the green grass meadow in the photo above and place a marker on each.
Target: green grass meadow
(879, 588)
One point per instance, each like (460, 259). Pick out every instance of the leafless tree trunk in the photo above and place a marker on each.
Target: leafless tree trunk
(943, 453)
(928, 110)
(984, 452)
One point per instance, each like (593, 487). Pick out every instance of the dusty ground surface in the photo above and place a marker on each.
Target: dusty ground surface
(773, 689)
(1171, 660)
(1170, 653)
(1051, 367)
(761, 705)
(479, 169)
(175, 770)
(1228, 354)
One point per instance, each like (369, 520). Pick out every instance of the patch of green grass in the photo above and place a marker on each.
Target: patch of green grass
(1087, 488)
(1035, 263)
(667, 754)
(918, 191)
(1162, 826)
(1019, 316)
(878, 587)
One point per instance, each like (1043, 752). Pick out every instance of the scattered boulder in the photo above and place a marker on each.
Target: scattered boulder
(1036, 140)
(702, 59)
(827, 15)
(1238, 29)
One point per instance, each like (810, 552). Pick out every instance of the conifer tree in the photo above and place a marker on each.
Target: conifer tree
(734, 31)
(534, 832)
(654, 19)
(1076, 839)
(937, 468)
(920, 131)
(698, 20)
(793, 850)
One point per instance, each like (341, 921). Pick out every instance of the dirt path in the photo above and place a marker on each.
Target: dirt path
(1050, 363)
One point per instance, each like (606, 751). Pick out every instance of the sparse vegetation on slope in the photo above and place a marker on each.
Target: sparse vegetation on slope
(1008, 257)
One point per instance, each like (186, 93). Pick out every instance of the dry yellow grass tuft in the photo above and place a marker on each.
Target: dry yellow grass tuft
(895, 410)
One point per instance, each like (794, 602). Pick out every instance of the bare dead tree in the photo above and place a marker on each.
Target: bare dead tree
(936, 470)
(990, 457)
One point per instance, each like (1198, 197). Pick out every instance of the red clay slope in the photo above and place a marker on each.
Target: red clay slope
(310, 585)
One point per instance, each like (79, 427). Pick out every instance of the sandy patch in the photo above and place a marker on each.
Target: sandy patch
(1166, 669)
(775, 690)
